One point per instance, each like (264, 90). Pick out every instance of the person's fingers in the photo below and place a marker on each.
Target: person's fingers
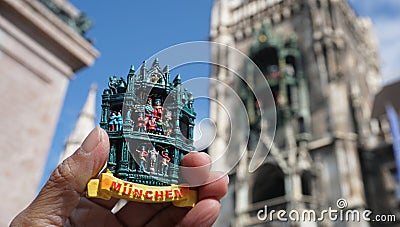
(169, 216)
(108, 204)
(143, 212)
(61, 193)
(203, 214)
(195, 159)
(89, 214)
(207, 207)
(195, 168)
(217, 187)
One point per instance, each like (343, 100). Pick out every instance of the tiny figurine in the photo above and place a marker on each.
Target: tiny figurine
(128, 114)
(167, 127)
(149, 109)
(153, 158)
(141, 123)
(147, 140)
(165, 162)
(112, 84)
(151, 125)
(142, 158)
(158, 109)
(191, 100)
(119, 121)
(112, 122)
(155, 78)
(159, 127)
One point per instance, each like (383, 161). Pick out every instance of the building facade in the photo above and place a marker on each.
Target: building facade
(321, 64)
(41, 47)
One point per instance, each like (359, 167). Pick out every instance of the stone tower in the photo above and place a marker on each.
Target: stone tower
(83, 126)
(42, 45)
(321, 64)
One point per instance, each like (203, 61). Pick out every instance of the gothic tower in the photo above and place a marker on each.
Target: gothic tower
(83, 126)
(321, 64)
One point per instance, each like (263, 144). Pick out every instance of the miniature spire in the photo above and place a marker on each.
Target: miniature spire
(166, 73)
(83, 126)
(132, 70)
(177, 80)
(166, 69)
(143, 70)
(155, 62)
(130, 80)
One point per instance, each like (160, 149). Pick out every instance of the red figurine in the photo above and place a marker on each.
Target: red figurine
(142, 158)
(149, 109)
(151, 125)
(158, 109)
(112, 121)
(141, 123)
(167, 127)
(165, 162)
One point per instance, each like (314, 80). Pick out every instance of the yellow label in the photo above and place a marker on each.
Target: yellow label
(109, 186)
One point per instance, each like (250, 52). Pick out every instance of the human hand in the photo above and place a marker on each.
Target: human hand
(61, 201)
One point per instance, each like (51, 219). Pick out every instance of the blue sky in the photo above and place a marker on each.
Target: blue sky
(385, 16)
(127, 32)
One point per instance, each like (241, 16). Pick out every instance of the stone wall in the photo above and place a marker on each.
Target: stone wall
(38, 56)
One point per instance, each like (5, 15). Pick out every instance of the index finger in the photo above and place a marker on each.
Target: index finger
(195, 168)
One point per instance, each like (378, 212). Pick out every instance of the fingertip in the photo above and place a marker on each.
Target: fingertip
(216, 187)
(103, 134)
(196, 159)
(219, 176)
(95, 137)
(205, 213)
(195, 168)
(89, 159)
(104, 140)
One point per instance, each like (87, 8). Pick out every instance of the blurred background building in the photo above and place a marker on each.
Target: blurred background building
(83, 126)
(41, 47)
(321, 63)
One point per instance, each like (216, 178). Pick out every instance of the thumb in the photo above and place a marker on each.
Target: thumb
(62, 192)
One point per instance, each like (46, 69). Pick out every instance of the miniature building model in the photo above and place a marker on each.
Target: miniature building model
(150, 123)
